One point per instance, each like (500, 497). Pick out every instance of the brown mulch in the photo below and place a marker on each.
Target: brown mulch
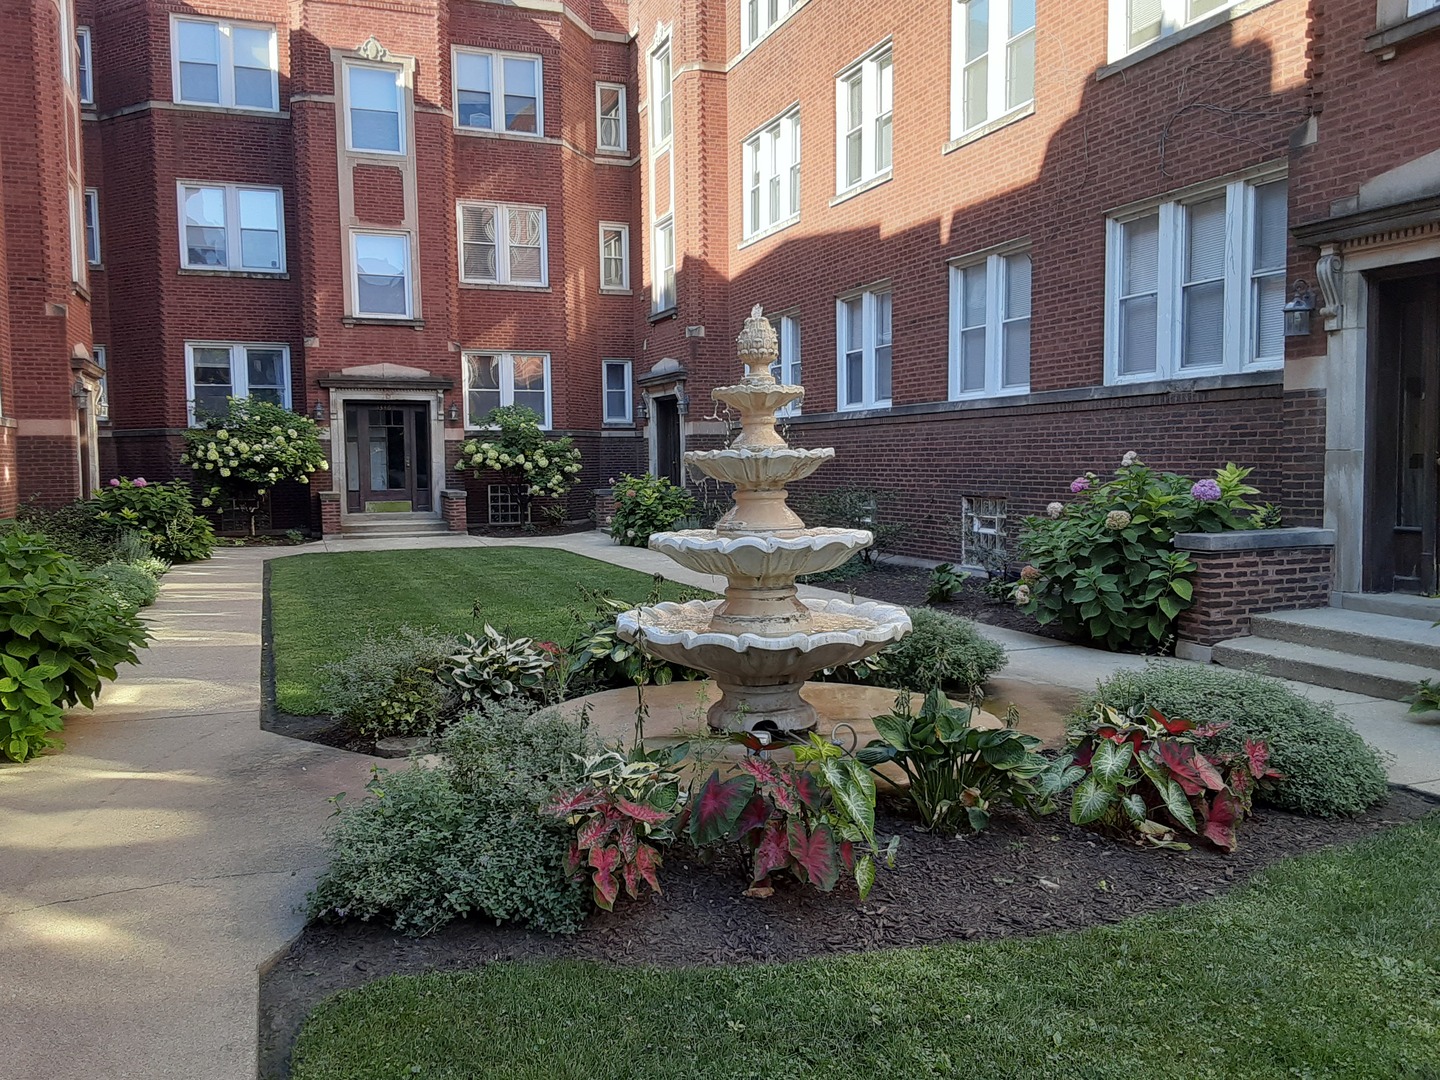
(1022, 877)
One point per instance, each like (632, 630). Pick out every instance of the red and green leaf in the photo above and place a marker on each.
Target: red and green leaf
(647, 864)
(808, 789)
(718, 807)
(565, 803)
(1174, 727)
(816, 855)
(649, 815)
(604, 861)
(753, 817)
(1257, 753)
(1222, 821)
(771, 853)
(762, 770)
(595, 829)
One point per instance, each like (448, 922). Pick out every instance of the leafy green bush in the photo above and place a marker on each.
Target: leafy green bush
(645, 505)
(601, 660)
(390, 685)
(493, 666)
(941, 652)
(854, 508)
(130, 585)
(75, 529)
(1103, 566)
(161, 513)
(1326, 768)
(944, 583)
(61, 633)
(432, 845)
(547, 467)
(1426, 697)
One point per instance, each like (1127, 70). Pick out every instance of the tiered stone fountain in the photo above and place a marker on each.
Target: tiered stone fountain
(761, 642)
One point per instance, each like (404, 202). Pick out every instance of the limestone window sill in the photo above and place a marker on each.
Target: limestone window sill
(617, 292)
(767, 232)
(976, 134)
(862, 187)
(497, 286)
(261, 275)
(369, 320)
(663, 314)
(1387, 40)
(1179, 37)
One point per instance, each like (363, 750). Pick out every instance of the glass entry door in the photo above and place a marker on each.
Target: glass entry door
(387, 457)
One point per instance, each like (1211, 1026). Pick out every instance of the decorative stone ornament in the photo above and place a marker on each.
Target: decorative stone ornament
(371, 49)
(758, 347)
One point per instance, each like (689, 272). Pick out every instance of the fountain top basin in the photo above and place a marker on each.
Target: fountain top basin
(762, 557)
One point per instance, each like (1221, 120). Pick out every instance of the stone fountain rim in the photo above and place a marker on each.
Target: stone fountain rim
(812, 539)
(890, 623)
(745, 452)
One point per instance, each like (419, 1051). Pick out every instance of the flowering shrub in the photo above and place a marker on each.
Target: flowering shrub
(162, 514)
(646, 505)
(547, 467)
(1103, 566)
(240, 454)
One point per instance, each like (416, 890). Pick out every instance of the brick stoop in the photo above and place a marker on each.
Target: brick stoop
(393, 526)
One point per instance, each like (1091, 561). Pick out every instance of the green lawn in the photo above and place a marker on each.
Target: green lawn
(1325, 966)
(321, 606)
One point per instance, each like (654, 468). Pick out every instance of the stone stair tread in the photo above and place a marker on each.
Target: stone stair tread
(1323, 667)
(1369, 624)
(1400, 605)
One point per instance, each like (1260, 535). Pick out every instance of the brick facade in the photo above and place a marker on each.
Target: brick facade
(1232, 585)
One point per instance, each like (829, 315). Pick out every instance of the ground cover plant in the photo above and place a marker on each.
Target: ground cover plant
(1322, 966)
(391, 685)
(941, 651)
(1325, 767)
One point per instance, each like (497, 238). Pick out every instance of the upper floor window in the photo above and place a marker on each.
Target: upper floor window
(610, 118)
(217, 371)
(614, 256)
(220, 62)
(772, 174)
(382, 285)
(102, 389)
(1419, 7)
(617, 392)
(664, 258)
(497, 91)
(502, 244)
(864, 96)
(375, 109)
(1197, 286)
(759, 17)
(786, 367)
(77, 234)
(1134, 23)
(661, 118)
(496, 379)
(864, 346)
(229, 227)
(92, 226)
(84, 78)
(990, 326)
(993, 70)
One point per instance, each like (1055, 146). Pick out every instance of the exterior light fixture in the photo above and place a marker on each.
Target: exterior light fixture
(1298, 309)
(453, 413)
(682, 404)
(642, 411)
(319, 412)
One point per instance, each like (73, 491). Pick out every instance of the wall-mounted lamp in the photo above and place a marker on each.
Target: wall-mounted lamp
(682, 404)
(1298, 309)
(642, 411)
(319, 412)
(453, 413)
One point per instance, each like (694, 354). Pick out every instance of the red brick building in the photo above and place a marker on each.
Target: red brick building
(1003, 241)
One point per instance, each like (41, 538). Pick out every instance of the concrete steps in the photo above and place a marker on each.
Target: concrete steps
(391, 526)
(1401, 605)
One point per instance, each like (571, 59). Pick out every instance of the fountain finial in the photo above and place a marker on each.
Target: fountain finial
(758, 347)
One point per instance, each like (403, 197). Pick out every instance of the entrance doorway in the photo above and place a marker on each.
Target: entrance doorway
(667, 438)
(1404, 481)
(387, 457)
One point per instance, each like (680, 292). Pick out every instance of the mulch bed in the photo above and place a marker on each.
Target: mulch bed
(1022, 877)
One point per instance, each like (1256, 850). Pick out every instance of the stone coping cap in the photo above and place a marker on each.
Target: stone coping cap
(453, 493)
(1255, 539)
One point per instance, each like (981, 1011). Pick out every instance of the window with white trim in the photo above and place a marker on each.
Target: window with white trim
(759, 17)
(84, 73)
(1136, 23)
(771, 160)
(863, 335)
(664, 258)
(92, 226)
(381, 275)
(1419, 7)
(610, 134)
(502, 244)
(990, 326)
(232, 227)
(617, 392)
(498, 91)
(614, 257)
(374, 108)
(661, 93)
(493, 379)
(218, 370)
(864, 97)
(1197, 286)
(222, 62)
(102, 389)
(993, 61)
(78, 261)
(786, 367)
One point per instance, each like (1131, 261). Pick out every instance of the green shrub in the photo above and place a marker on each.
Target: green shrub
(1327, 769)
(520, 448)
(854, 508)
(61, 634)
(163, 514)
(75, 529)
(942, 652)
(494, 666)
(645, 505)
(945, 581)
(154, 567)
(130, 585)
(390, 686)
(432, 845)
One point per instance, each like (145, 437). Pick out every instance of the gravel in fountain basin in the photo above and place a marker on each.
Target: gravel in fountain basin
(832, 622)
(761, 557)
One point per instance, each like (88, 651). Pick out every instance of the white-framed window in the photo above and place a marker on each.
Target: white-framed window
(217, 370)
(223, 62)
(863, 337)
(381, 275)
(661, 93)
(617, 392)
(983, 534)
(610, 134)
(498, 91)
(502, 244)
(663, 289)
(493, 379)
(1419, 7)
(864, 97)
(759, 17)
(85, 79)
(102, 390)
(1136, 23)
(993, 61)
(92, 226)
(374, 108)
(771, 160)
(614, 257)
(786, 367)
(1196, 286)
(232, 227)
(990, 326)
(78, 236)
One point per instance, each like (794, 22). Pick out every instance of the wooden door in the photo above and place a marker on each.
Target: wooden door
(387, 455)
(667, 439)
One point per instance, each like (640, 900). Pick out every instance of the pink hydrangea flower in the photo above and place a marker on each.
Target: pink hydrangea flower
(114, 482)
(1078, 485)
(1205, 490)
(140, 481)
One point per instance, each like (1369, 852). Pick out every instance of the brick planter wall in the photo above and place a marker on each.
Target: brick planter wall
(1241, 574)
(453, 508)
(329, 513)
(604, 507)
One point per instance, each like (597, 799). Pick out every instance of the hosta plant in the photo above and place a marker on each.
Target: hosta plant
(494, 666)
(956, 771)
(1141, 773)
(945, 582)
(623, 811)
(1426, 697)
(602, 659)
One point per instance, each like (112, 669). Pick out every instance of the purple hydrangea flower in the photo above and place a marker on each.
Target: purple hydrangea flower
(140, 481)
(1078, 485)
(1205, 491)
(114, 483)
